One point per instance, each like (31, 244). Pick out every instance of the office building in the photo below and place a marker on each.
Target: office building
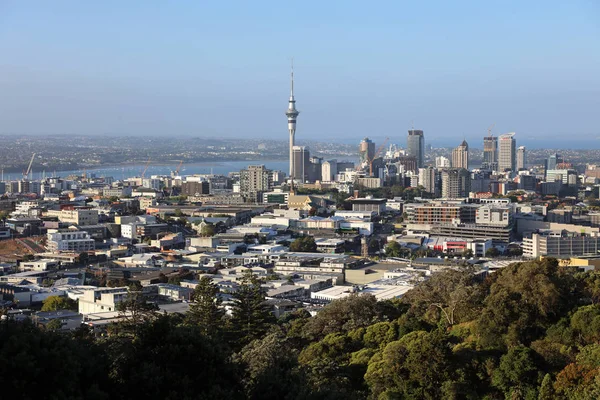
(456, 183)
(507, 154)
(366, 150)
(329, 170)
(415, 146)
(254, 181)
(560, 244)
(195, 188)
(490, 153)
(553, 161)
(301, 158)
(521, 158)
(460, 156)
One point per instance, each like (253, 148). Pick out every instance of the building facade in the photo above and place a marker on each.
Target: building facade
(415, 146)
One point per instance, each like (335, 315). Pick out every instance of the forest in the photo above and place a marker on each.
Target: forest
(528, 331)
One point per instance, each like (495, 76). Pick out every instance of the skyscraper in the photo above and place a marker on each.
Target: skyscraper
(521, 157)
(490, 152)
(456, 183)
(553, 161)
(301, 160)
(507, 154)
(460, 156)
(292, 114)
(366, 150)
(415, 146)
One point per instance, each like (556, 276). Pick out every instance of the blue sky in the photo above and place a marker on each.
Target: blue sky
(221, 68)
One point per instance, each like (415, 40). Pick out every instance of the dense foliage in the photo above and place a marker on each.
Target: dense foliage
(529, 331)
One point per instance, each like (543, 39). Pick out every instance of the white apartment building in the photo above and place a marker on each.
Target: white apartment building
(69, 240)
(101, 300)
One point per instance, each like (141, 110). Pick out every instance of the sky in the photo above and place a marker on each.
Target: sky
(221, 69)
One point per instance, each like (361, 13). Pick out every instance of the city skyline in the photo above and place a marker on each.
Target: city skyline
(65, 70)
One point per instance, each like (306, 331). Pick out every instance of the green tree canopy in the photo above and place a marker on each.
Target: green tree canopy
(55, 303)
(305, 244)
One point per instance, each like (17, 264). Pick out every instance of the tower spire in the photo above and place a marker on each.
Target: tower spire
(292, 114)
(292, 80)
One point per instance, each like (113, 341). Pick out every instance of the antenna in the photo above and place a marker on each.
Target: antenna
(292, 77)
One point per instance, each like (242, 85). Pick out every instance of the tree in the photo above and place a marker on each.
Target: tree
(56, 303)
(250, 315)
(393, 249)
(178, 213)
(304, 244)
(517, 373)
(344, 315)
(492, 252)
(136, 311)
(207, 230)
(448, 296)
(54, 325)
(468, 253)
(206, 312)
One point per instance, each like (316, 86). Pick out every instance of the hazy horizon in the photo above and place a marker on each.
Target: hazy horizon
(222, 70)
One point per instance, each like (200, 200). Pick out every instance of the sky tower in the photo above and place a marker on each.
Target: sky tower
(292, 113)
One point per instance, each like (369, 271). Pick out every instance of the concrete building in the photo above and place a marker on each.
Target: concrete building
(301, 163)
(254, 181)
(442, 162)
(456, 183)
(69, 240)
(101, 300)
(366, 150)
(493, 215)
(428, 178)
(329, 170)
(490, 153)
(195, 188)
(521, 158)
(415, 146)
(77, 216)
(460, 156)
(507, 154)
(560, 244)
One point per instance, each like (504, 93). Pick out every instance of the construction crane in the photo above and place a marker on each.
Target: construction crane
(26, 173)
(490, 129)
(377, 153)
(176, 172)
(146, 168)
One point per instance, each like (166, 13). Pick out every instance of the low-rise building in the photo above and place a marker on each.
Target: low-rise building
(69, 240)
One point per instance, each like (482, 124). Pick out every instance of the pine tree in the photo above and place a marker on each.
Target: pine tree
(206, 312)
(250, 315)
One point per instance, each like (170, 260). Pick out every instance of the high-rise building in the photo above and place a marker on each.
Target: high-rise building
(521, 158)
(366, 150)
(254, 181)
(301, 160)
(490, 153)
(456, 183)
(553, 161)
(507, 154)
(314, 169)
(292, 114)
(428, 177)
(460, 156)
(415, 146)
(442, 162)
(329, 170)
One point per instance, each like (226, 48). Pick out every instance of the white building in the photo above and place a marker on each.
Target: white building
(101, 300)
(69, 240)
